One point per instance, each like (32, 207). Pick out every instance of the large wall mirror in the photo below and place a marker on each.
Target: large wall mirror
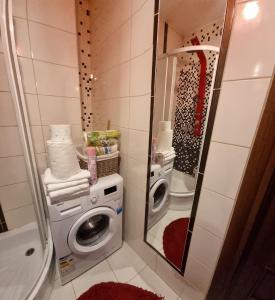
(187, 48)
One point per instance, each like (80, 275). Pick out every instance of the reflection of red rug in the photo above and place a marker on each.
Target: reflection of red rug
(174, 237)
(117, 291)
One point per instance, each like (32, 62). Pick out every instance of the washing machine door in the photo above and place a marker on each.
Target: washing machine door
(158, 196)
(93, 230)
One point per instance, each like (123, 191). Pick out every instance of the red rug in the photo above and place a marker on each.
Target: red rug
(117, 291)
(174, 236)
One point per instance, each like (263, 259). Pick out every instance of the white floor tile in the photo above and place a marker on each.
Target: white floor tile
(100, 273)
(65, 292)
(139, 282)
(190, 293)
(125, 263)
(157, 284)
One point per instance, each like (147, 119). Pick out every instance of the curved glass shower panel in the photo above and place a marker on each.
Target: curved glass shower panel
(22, 234)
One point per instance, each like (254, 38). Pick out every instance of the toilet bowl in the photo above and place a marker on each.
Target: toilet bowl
(182, 190)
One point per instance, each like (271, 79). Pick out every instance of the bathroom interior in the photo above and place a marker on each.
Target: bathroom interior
(135, 136)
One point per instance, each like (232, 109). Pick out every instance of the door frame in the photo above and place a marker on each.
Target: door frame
(255, 183)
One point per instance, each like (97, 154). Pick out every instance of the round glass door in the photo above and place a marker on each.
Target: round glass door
(158, 195)
(93, 230)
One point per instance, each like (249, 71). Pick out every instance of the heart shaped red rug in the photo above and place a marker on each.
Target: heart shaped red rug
(174, 237)
(117, 291)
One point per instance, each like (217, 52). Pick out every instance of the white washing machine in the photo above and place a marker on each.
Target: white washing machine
(88, 229)
(160, 178)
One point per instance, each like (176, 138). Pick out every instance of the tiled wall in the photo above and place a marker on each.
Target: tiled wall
(46, 46)
(246, 80)
(83, 25)
(122, 39)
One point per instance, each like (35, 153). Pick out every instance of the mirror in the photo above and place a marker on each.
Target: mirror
(187, 50)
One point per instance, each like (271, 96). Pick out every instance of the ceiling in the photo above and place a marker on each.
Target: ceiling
(186, 15)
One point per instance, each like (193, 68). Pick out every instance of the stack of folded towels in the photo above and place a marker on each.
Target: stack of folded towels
(165, 157)
(66, 189)
(64, 180)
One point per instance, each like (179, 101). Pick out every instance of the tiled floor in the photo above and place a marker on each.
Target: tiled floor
(155, 234)
(123, 266)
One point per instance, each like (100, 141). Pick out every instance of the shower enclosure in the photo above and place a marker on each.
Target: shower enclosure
(183, 76)
(25, 243)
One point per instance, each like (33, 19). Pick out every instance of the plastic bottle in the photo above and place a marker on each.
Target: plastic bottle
(91, 152)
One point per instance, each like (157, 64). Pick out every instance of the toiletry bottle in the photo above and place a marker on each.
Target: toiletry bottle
(91, 152)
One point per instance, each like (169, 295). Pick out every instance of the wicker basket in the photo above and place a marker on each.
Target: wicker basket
(106, 165)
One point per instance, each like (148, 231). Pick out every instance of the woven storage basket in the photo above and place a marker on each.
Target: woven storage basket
(107, 165)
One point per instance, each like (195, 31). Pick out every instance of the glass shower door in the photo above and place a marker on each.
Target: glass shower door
(23, 230)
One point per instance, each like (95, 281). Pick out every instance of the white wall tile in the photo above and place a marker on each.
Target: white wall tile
(41, 161)
(26, 70)
(224, 168)
(7, 112)
(33, 109)
(4, 83)
(37, 138)
(214, 212)
(137, 173)
(15, 170)
(15, 195)
(19, 8)
(141, 70)
(138, 145)
(251, 59)
(142, 21)
(53, 45)
(124, 140)
(56, 80)
(114, 110)
(22, 37)
(10, 142)
(134, 212)
(59, 110)
(137, 4)
(198, 274)
(114, 83)
(60, 14)
(119, 42)
(140, 112)
(239, 110)
(205, 247)
(21, 216)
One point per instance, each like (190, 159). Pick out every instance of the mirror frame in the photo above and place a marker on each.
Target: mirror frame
(228, 21)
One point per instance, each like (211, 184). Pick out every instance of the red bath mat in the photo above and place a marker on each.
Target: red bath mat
(117, 291)
(174, 236)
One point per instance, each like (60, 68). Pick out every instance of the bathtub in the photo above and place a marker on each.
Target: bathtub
(182, 189)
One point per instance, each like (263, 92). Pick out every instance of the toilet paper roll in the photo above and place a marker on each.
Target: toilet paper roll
(60, 132)
(164, 125)
(62, 159)
(164, 141)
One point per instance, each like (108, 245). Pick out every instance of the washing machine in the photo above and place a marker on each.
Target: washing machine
(88, 229)
(160, 178)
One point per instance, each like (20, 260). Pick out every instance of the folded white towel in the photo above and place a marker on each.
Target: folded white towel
(63, 198)
(166, 153)
(168, 158)
(59, 186)
(68, 191)
(49, 178)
